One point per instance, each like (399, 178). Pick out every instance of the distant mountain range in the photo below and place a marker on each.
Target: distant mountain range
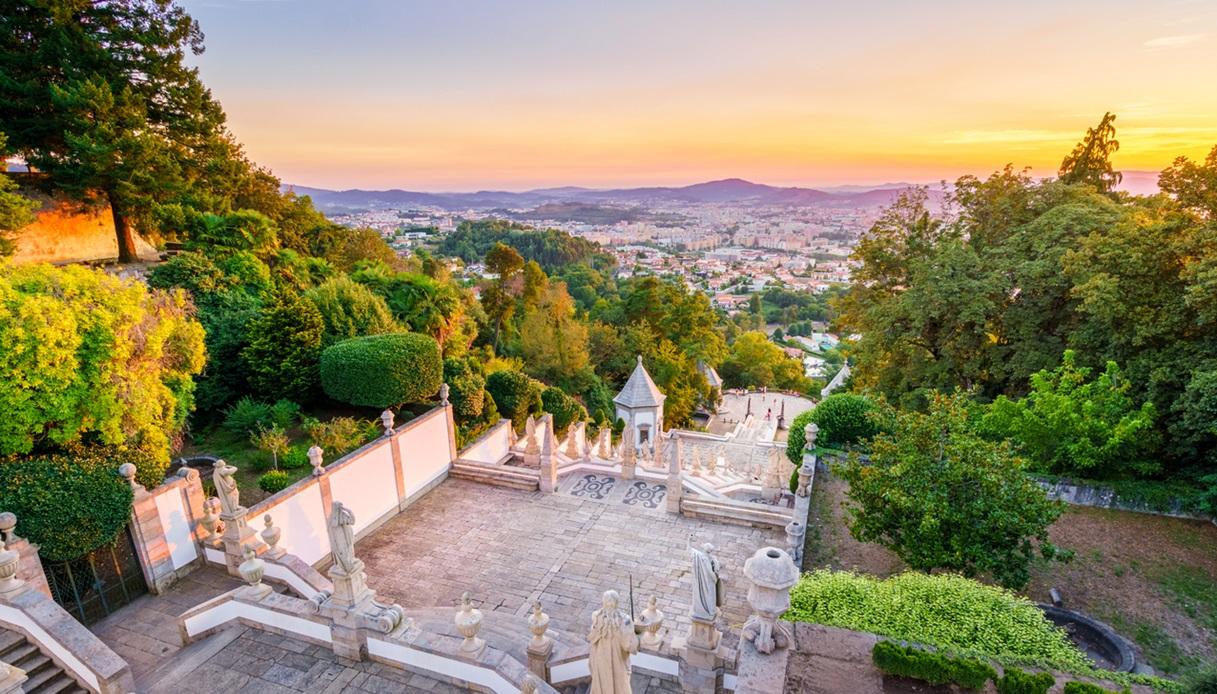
(733, 190)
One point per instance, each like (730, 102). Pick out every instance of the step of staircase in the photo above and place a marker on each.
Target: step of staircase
(44, 676)
(499, 476)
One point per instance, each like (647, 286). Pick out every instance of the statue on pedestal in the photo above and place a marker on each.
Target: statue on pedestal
(226, 487)
(612, 641)
(342, 539)
(707, 583)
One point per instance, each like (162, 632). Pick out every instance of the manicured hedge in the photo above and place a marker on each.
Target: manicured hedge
(382, 370)
(565, 409)
(944, 611)
(1015, 681)
(70, 504)
(934, 668)
(515, 394)
(844, 418)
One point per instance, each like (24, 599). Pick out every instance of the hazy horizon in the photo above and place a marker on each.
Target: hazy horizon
(524, 95)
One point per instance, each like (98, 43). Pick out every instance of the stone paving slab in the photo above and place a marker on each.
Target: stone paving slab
(509, 548)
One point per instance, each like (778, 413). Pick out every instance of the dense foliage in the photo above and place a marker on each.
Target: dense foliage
(349, 310)
(565, 409)
(935, 668)
(1021, 269)
(382, 371)
(69, 503)
(88, 356)
(1069, 424)
(515, 395)
(942, 497)
(796, 436)
(550, 248)
(1088, 688)
(754, 362)
(844, 419)
(945, 611)
(284, 346)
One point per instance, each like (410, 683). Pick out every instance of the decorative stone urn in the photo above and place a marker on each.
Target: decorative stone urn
(8, 522)
(271, 536)
(468, 621)
(650, 621)
(315, 458)
(251, 570)
(772, 573)
(9, 583)
(538, 624)
(386, 422)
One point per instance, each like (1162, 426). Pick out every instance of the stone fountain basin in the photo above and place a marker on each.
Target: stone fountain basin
(1097, 640)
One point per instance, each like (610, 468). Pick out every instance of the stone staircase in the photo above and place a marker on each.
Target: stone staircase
(45, 677)
(523, 479)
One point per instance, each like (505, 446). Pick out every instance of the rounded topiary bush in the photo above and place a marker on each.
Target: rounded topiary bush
(382, 370)
(844, 418)
(796, 440)
(71, 503)
(274, 481)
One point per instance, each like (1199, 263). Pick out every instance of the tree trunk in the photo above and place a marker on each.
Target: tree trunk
(127, 252)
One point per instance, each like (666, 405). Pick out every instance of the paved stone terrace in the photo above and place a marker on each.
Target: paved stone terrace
(509, 548)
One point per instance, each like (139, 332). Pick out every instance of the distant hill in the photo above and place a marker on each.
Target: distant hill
(729, 190)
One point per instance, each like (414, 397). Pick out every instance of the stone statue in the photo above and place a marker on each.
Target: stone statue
(342, 539)
(707, 583)
(226, 487)
(612, 641)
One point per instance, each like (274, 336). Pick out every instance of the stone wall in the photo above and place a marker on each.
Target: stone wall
(64, 233)
(1084, 494)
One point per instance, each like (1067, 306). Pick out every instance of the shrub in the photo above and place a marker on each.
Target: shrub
(468, 389)
(935, 668)
(382, 370)
(273, 441)
(246, 416)
(191, 271)
(796, 440)
(1088, 688)
(274, 481)
(295, 458)
(844, 418)
(943, 611)
(284, 413)
(69, 503)
(284, 345)
(565, 409)
(89, 357)
(349, 310)
(338, 436)
(1015, 681)
(515, 394)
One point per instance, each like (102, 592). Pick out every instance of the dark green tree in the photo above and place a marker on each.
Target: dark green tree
(284, 348)
(1090, 161)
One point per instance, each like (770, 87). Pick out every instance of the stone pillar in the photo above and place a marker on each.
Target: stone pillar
(540, 646)
(149, 535)
(29, 565)
(772, 573)
(675, 488)
(701, 658)
(795, 532)
(547, 461)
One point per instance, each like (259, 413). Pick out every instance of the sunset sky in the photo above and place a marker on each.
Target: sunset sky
(470, 94)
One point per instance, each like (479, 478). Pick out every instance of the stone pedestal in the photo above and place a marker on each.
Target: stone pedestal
(547, 469)
(674, 485)
(702, 658)
(237, 534)
(772, 573)
(350, 588)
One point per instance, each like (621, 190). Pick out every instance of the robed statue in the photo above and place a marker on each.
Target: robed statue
(612, 641)
(342, 538)
(226, 487)
(707, 583)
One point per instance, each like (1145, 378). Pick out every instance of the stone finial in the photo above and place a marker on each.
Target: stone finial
(810, 432)
(127, 472)
(772, 573)
(538, 624)
(8, 521)
(316, 458)
(529, 685)
(651, 620)
(10, 584)
(271, 535)
(386, 422)
(443, 395)
(468, 622)
(210, 521)
(640, 360)
(251, 570)
(795, 531)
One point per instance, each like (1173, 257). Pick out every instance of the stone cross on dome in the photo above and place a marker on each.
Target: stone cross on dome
(640, 406)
